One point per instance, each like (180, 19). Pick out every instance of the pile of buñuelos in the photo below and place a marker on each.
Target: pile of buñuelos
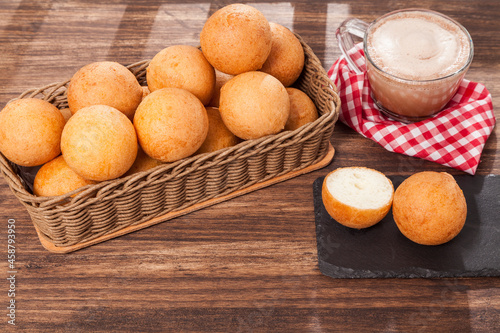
(235, 87)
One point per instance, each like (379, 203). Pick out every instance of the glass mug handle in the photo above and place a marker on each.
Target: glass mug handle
(344, 34)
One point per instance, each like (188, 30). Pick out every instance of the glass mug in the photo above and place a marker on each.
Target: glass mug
(415, 60)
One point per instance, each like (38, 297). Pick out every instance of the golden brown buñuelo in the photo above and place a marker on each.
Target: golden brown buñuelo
(429, 208)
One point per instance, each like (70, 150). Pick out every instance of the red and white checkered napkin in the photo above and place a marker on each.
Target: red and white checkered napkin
(455, 137)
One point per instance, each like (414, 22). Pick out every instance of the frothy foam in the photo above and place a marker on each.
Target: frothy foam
(418, 46)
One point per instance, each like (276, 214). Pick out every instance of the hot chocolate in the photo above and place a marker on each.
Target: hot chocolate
(418, 45)
(416, 60)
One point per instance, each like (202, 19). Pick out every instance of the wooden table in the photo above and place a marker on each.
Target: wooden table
(248, 264)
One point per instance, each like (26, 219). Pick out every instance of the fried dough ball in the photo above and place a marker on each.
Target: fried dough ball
(236, 39)
(302, 109)
(142, 163)
(185, 67)
(254, 104)
(104, 83)
(220, 80)
(429, 208)
(286, 60)
(30, 131)
(99, 143)
(57, 178)
(218, 136)
(171, 124)
(357, 197)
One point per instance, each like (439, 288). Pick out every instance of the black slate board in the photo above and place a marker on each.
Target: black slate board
(382, 251)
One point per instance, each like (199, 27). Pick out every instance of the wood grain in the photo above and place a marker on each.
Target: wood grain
(244, 265)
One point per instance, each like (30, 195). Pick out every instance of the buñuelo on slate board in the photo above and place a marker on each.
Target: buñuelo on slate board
(381, 251)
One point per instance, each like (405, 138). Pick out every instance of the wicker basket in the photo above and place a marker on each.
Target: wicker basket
(93, 213)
